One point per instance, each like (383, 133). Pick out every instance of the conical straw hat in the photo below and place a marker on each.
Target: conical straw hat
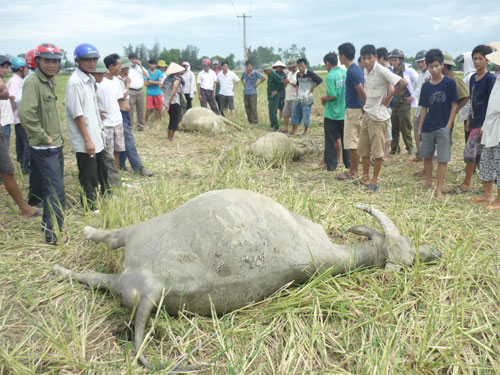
(174, 68)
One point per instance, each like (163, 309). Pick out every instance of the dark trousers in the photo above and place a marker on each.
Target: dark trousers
(273, 102)
(92, 172)
(130, 152)
(401, 122)
(189, 101)
(251, 108)
(207, 97)
(22, 148)
(217, 99)
(334, 129)
(47, 184)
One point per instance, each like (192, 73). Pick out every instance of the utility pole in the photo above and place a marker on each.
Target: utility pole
(245, 51)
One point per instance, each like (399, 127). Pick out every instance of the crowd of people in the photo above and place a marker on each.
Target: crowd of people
(367, 105)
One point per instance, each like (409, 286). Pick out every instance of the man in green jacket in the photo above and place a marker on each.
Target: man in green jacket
(39, 117)
(274, 85)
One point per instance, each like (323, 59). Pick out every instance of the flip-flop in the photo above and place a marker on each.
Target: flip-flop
(344, 176)
(480, 199)
(490, 207)
(358, 182)
(456, 190)
(372, 188)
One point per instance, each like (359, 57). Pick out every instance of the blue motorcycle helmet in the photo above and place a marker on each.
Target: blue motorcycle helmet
(86, 51)
(17, 62)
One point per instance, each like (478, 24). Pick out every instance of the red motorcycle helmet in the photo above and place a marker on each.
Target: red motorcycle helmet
(30, 59)
(48, 51)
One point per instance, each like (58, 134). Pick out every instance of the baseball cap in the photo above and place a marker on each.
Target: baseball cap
(215, 61)
(4, 59)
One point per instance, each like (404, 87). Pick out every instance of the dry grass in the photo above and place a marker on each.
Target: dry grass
(438, 319)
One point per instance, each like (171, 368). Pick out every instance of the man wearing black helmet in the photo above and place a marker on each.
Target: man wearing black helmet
(85, 126)
(39, 117)
(402, 103)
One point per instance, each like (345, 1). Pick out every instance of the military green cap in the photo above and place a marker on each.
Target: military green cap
(448, 59)
(125, 62)
(101, 68)
(266, 67)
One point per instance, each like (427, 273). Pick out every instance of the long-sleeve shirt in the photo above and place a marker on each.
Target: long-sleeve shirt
(38, 111)
(274, 83)
(411, 76)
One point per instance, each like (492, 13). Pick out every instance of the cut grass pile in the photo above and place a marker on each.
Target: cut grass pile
(429, 319)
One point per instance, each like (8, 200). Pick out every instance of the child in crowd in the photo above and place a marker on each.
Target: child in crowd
(438, 100)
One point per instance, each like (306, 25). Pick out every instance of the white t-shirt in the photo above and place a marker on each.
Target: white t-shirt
(207, 79)
(136, 76)
(109, 91)
(226, 82)
(291, 91)
(6, 114)
(377, 81)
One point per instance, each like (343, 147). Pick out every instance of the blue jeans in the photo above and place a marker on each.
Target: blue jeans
(301, 112)
(130, 149)
(22, 148)
(47, 184)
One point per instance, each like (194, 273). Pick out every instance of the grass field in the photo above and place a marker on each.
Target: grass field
(430, 319)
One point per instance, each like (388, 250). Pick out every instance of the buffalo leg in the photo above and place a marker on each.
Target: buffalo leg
(114, 239)
(93, 279)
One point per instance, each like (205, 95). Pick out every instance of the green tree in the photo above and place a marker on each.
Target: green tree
(190, 54)
(230, 61)
(154, 53)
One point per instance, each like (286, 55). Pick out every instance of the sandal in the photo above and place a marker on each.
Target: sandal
(456, 190)
(344, 176)
(372, 188)
(480, 199)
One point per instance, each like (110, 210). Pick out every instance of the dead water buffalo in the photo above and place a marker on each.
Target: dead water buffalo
(280, 146)
(232, 247)
(203, 120)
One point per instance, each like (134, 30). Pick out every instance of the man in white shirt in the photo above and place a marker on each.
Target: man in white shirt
(6, 113)
(227, 81)
(189, 88)
(290, 92)
(207, 82)
(423, 76)
(84, 125)
(136, 75)
(109, 92)
(374, 126)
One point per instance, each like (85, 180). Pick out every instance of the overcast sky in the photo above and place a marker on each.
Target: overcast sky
(320, 26)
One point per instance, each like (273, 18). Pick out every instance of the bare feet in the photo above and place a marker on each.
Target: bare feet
(426, 187)
(482, 198)
(438, 195)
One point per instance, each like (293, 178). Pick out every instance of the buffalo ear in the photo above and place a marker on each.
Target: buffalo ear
(363, 230)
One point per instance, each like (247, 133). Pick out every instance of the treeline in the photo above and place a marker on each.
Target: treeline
(258, 56)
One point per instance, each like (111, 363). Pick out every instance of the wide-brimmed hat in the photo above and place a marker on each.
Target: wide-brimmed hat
(448, 59)
(125, 62)
(292, 63)
(494, 45)
(279, 63)
(162, 64)
(266, 67)
(100, 67)
(494, 57)
(174, 68)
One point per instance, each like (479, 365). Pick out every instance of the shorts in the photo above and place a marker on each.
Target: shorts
(473, 147)
(281, 103)
(154, 102)
(352, 128)
(301, 113)
(288, 108)
(490, 165)
(174, 111)
(115, 140)
(6, 166)
(226, 102)
(372, 138)
(440, 138)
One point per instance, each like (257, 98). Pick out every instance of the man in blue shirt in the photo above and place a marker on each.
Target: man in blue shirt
(250, 79)
(438, 100)
(154, 97)
(355, 97)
